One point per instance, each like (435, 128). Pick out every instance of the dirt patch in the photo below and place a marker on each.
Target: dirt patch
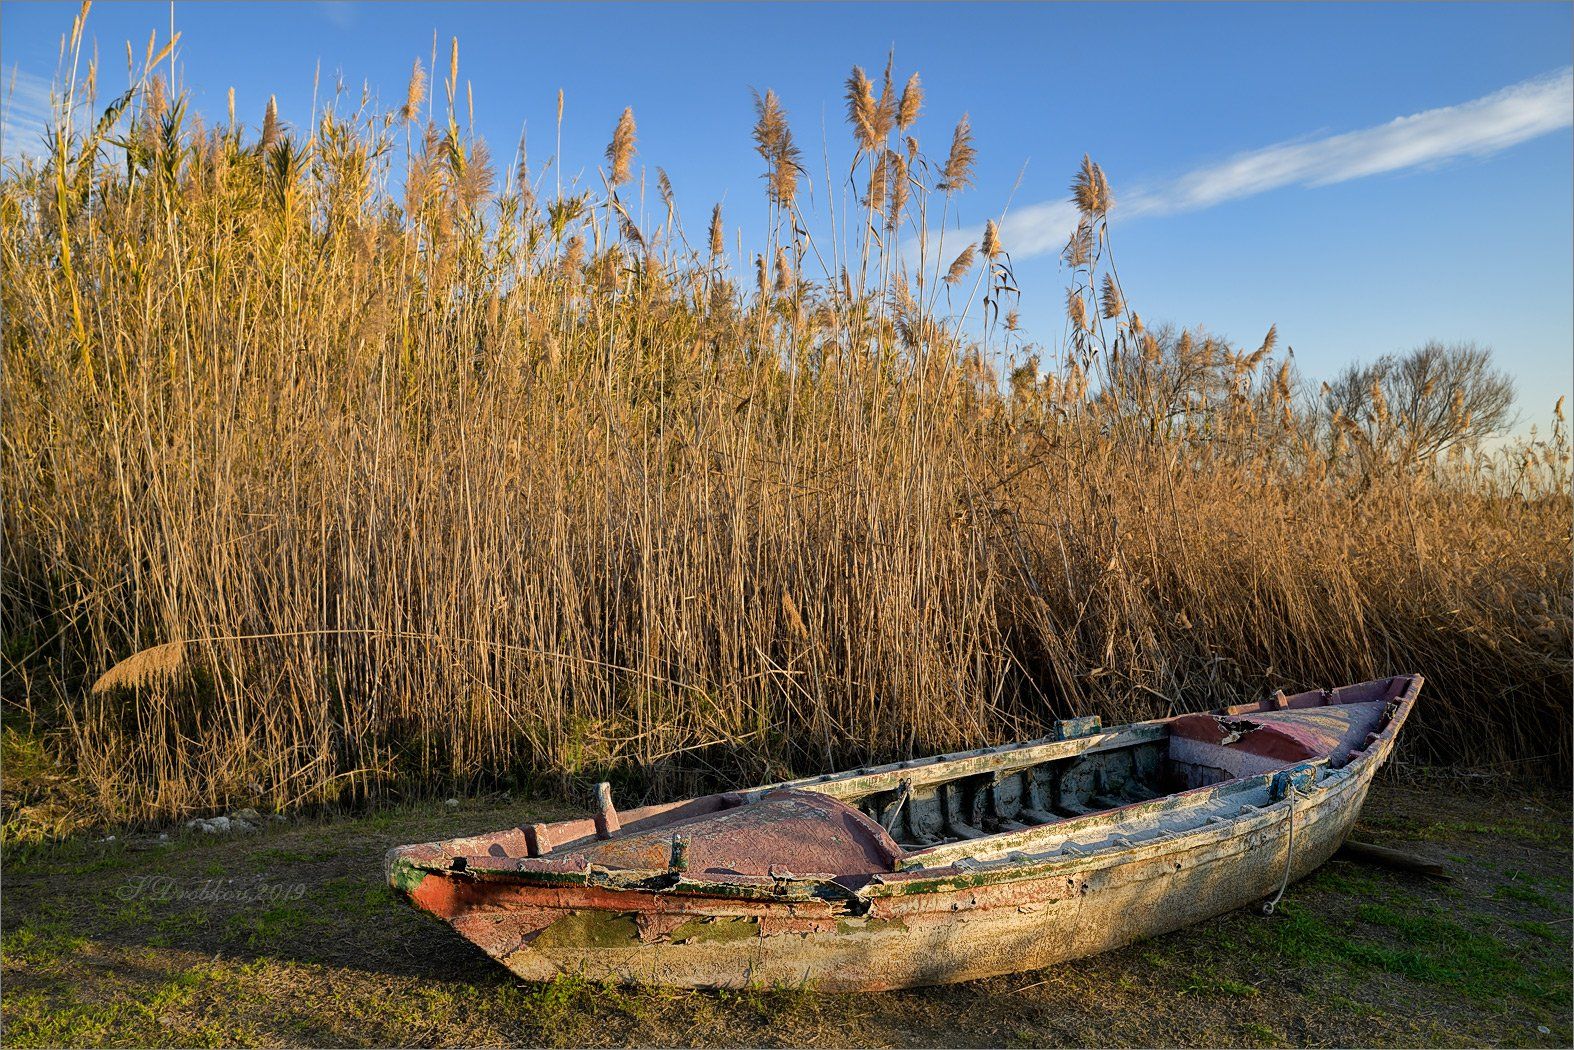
(289, 937)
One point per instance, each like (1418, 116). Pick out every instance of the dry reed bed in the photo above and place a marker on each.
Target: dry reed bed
(453, 479)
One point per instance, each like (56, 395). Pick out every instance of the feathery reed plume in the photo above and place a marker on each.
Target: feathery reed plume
(885, 108)
(762, 276)
(1111, 302)
(607, 268)
(912, 102)
(898, 191)
(270, 124)
(958, 170)
(422, 178)
(414, 95)
(620, 151)
(1379, 403)
(453, 67)
(1084, 188)
(158, 99)
(990, 245)
(1090, 190)
(525, 193)
(783, 183)
(473, 185)
(770, 123)
(784, 276)
(879, 183)
(1282, 381)
(901, 295)
(573, 256)
(960, 265)
(862, 110)
(1151, 351)
(773, 142)
(718, 240)
(664, 188)
(143, 668)
(793, 616)
(1076, 309)
(1079, 246)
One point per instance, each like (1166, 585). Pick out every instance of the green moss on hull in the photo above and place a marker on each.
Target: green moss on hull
(405, 877)
(717, 931)
(590, 929)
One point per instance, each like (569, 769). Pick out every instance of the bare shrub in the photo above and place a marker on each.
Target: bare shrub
(1405, 410)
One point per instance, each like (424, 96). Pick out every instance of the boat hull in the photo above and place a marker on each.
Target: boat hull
(913, 931)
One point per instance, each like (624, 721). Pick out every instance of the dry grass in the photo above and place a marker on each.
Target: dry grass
(445, 477)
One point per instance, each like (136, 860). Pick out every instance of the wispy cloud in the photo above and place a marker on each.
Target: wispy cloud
(341, 13)
(1472, 129)
(24, 111)
(1478, 128)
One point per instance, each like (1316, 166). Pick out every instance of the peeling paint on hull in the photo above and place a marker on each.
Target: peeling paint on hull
(955, 922)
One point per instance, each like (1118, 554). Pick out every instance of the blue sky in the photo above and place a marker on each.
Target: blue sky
(1261, 176)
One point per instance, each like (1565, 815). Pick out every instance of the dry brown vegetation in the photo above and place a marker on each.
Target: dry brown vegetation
(448, 475)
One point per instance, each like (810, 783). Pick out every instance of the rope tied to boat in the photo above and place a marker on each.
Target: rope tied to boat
(1289, 853)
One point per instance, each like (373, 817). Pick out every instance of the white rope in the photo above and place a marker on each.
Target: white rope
(1289, 852)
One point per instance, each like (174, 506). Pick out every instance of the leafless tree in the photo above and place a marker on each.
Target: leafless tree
(1408, 409)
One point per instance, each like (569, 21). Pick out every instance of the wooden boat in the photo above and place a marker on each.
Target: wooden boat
(931, 870)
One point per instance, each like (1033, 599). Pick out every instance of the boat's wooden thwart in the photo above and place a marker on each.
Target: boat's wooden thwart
(933, 870)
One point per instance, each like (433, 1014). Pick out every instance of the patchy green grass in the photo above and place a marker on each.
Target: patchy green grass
(1262, 1035)
(289, 937)
(1511, 892)
(273, 928)
(1199, 983)
(1533, 832)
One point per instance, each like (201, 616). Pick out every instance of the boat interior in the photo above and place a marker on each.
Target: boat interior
(1087, 771)
(1139, 764)
(929, 811)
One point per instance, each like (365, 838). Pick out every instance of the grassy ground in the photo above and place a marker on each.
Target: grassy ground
(288, 937)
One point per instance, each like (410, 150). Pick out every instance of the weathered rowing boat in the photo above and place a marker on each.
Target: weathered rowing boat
(932, 870)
